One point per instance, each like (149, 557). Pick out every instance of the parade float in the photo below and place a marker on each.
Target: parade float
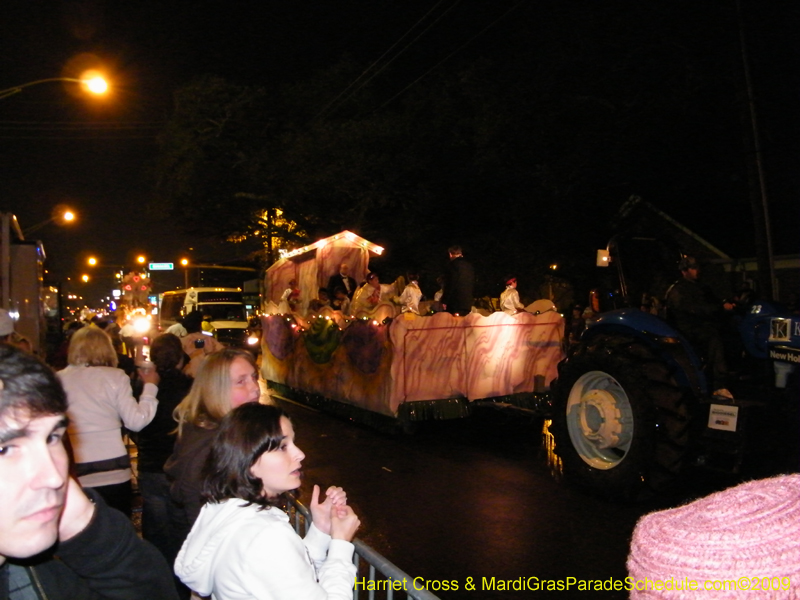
(402, 366)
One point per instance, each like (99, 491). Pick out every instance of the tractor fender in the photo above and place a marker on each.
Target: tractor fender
(659, 335)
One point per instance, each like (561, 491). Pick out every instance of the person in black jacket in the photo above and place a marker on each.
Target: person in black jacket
(343, 280)
(157, 441)
(459, 281)
(57, 541)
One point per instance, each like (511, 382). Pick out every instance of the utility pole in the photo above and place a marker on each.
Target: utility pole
(759, 204)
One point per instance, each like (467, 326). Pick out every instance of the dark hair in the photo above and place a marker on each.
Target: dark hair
(27, 384)
(193, 322)
(244, 434)
(166, 352)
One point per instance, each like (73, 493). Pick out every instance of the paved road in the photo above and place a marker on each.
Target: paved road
(470, 498)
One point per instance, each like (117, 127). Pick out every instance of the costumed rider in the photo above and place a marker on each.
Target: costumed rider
(409, 299)
(342, 280)
(459, 281)
(509, 299)
(696, 312)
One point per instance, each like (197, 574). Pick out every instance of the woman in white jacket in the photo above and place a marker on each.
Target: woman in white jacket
(100, 402)
(242, 545)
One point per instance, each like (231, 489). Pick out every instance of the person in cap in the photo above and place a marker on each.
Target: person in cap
(696, 312)
(509, 299)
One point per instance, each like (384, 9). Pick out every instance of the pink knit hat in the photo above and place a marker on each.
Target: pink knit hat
(748, 534)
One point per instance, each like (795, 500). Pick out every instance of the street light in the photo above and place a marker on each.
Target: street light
(59, 213)
(185, 265)
(96, 85)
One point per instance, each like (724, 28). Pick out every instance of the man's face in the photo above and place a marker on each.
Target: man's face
(344, 269)
(691, 273)
(33, 472)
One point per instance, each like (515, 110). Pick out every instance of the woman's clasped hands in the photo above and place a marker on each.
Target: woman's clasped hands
(333, 516)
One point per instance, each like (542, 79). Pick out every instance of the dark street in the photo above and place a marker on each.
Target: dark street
(469, 498)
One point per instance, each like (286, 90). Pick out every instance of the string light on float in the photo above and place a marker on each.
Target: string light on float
(349, 235)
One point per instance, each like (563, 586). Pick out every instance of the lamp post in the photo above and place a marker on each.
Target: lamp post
(64, 214)
(96, 85)
(185, 264)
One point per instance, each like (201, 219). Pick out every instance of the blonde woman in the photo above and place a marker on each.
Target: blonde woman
(100, 403)
(227, 379)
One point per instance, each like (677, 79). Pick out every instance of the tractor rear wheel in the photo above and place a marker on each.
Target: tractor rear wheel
(621, 423)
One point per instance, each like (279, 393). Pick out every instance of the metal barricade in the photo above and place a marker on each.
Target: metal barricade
(369, 564)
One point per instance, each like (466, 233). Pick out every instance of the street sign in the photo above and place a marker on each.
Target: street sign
(161, 266)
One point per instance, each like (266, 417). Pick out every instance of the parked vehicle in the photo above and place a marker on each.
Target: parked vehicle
(21, 289)
(223, 308)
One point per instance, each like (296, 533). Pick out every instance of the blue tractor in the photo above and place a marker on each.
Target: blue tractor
(632, 410)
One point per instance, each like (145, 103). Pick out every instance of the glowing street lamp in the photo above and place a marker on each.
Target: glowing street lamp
(96, 85)
(59, 214)
(85, 278)
(185, 265)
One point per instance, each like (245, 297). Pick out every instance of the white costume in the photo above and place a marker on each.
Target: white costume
(238, 552)
(509, 301)
(409, 299)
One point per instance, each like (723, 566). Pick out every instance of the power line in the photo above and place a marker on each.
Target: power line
(446, 58)
(374, 63)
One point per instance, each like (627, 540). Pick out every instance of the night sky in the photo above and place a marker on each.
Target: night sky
(59, 146)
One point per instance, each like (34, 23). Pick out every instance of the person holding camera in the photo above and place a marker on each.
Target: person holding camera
(197, 344)
(101, 402)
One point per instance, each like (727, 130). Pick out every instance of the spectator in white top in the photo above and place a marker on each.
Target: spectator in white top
(100, 403)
